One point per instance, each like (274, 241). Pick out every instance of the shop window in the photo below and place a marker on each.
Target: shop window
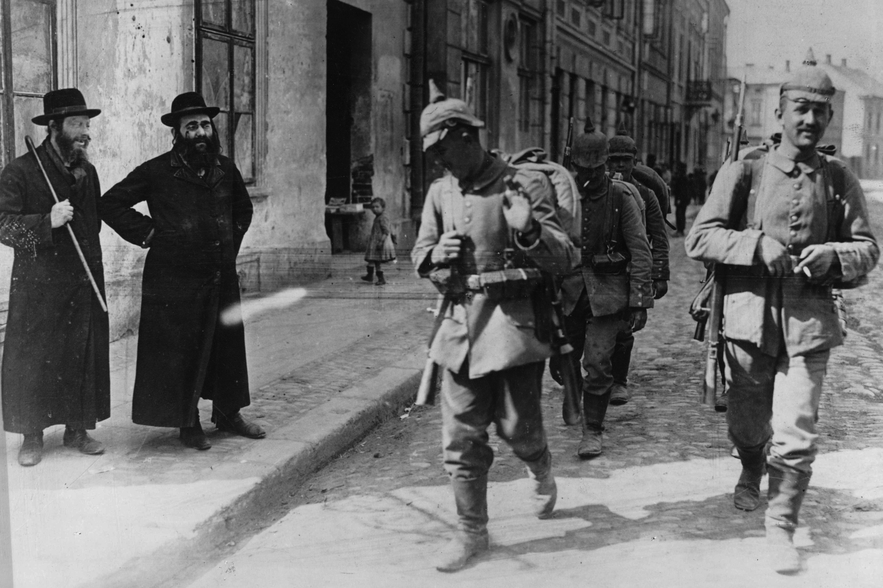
(27, 71)
(225, 75)
(754, 117)
(473, 81)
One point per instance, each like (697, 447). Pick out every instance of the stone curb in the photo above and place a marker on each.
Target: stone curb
(288, 455)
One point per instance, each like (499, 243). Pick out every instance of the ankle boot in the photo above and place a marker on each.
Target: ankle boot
(380, 280)
(31, 452)
(786, 491)
(746, 495)
(594, 410)
(471, 537)
(369, 277)
(544, 488)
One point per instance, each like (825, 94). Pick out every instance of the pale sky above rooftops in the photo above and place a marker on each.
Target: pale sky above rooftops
(769, 32)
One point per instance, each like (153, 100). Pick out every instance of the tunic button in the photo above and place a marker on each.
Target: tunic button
(796, 186)
(217, 243)
(795, 201)
(468, 204)
(793, 233)
(466, 219)
(794, 217)
(790, 247)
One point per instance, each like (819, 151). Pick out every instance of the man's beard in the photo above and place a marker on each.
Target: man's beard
(198, 152)
(72, 152)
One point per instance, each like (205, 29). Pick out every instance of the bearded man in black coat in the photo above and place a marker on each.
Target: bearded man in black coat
(199, 213)
(56, 359)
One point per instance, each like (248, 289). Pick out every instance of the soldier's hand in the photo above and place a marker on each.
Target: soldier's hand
(817, 261)
(660, 289)
(517, 210)
(774, 256)
(61, 214)
(448, 248)
(637, 319)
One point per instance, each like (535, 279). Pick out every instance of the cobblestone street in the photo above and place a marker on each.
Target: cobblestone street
(662, 444)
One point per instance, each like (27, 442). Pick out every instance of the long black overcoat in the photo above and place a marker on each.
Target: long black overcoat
(55, 357)
(194, 231)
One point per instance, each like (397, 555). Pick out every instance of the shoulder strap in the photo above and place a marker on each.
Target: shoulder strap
(614, 213)
(835, 188)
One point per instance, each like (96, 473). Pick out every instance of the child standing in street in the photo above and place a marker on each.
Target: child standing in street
(381, 243)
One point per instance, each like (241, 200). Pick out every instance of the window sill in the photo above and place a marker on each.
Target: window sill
(257, 194)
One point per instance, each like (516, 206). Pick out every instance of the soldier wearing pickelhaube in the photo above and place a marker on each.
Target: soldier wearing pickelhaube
(787, 225)
(621, 159)
(611, 290)
(482, 222)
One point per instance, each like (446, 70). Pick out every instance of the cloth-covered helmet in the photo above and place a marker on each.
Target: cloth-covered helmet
(589, 148)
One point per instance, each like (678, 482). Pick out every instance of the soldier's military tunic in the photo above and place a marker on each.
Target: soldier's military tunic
(779, 331)
(490, 351)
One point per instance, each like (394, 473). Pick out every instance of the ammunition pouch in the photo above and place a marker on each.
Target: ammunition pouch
(507, 284)
(611, 262)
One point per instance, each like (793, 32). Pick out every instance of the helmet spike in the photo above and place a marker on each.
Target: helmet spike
(435, 95)
(810, 58)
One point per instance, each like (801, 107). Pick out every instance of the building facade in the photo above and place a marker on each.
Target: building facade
(320, 99)
(312, 97)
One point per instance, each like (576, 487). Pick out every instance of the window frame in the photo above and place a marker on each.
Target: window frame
(232, 38)
(8, 92)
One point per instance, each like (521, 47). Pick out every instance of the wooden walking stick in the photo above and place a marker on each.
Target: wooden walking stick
(30, 143)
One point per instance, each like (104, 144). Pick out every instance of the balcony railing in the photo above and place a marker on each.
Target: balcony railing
(699, 92)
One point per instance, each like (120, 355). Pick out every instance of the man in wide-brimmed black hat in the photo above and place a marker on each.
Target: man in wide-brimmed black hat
(199, 213)
(55, 361)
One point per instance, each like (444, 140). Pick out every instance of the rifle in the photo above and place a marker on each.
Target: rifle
(718, 275)
(570, 380)
(567, 145)
(428, 389)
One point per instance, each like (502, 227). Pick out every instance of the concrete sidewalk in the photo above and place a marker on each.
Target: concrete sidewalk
(326, 363)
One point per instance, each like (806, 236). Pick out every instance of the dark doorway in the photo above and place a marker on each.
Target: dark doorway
(348, 106)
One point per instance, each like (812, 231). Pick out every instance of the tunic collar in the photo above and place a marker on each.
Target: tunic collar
(788, 165)
(490, 175)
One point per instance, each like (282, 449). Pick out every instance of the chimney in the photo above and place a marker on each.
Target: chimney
(828, 58)
(843, 62)
(788, 65)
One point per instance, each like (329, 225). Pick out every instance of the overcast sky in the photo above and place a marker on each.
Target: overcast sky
(768, 32)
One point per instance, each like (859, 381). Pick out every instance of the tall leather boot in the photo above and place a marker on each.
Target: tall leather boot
(369, 277)
(786, 491)
(471, 537)
(544, 488)
(746, 496)
(594, 409)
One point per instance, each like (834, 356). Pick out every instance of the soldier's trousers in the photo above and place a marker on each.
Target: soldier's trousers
(775, 397)
(510, 399)
(594, 340)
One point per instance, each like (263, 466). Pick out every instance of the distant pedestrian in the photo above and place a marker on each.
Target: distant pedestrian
(490, 343)
(682, 192)
(56, 356)
(381, 243)
(785, 239)
(199, 213)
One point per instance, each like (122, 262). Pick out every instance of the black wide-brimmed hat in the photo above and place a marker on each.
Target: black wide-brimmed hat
(188, 103)
(62, 103)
